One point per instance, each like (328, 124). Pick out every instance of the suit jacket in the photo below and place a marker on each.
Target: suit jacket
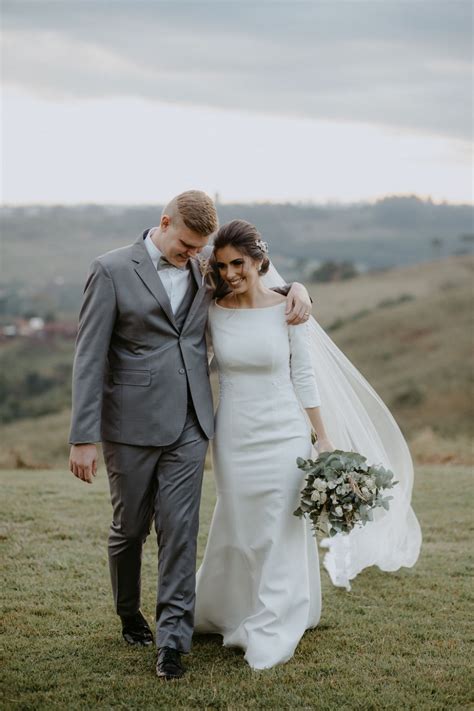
(135, 363)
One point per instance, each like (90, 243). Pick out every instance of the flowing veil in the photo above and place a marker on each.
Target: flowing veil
(357, 419)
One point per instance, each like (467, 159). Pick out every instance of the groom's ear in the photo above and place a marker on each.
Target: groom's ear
(165, 222)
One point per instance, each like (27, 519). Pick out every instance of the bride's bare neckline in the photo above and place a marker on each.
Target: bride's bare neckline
(249, 308)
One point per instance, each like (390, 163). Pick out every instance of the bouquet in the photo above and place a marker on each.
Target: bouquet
(342, 491)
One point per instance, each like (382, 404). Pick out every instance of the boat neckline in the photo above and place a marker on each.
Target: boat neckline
(250, 308)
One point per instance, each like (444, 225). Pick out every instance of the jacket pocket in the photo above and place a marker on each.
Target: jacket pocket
(132, 377)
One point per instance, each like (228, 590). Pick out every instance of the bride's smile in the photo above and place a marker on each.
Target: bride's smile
(241, 272)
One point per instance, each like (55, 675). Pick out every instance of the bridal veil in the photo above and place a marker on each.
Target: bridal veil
(357, 419)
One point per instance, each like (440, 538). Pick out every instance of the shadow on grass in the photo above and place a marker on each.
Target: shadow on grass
(210, 649)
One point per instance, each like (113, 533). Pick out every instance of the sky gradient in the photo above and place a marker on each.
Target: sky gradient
(132, 102)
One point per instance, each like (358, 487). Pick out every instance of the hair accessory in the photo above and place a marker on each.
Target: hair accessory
(263, 245)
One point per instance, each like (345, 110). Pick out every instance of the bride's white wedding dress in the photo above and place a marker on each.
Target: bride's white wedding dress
(259, 582)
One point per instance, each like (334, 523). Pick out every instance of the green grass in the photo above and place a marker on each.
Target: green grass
(397, 641)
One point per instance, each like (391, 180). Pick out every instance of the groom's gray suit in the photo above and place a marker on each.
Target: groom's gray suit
(141, 386)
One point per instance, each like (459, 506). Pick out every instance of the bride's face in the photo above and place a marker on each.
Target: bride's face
(238, 270)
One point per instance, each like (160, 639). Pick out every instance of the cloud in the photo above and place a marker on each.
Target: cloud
(395, 63)
(132, 151)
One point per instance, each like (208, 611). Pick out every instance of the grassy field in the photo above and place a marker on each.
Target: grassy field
(397, 641)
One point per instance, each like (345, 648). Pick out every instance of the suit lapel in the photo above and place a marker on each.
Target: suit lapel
(196, 272)
(149, 276)
(202, 289)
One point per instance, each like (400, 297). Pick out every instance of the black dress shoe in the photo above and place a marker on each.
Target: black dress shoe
(135, 630)
(169, 664)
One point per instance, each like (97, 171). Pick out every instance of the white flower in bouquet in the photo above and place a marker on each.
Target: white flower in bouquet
(342, 491)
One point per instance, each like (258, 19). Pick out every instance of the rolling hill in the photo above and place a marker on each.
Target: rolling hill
(408, 330)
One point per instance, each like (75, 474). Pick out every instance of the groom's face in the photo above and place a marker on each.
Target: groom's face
(179, 243)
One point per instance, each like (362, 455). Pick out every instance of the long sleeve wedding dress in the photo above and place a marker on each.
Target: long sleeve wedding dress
(259, 582)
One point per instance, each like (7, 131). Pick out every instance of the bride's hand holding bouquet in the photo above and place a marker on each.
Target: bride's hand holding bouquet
(324, 445)
(341, 490)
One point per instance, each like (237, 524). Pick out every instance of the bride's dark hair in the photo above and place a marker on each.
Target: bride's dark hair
(244, 237)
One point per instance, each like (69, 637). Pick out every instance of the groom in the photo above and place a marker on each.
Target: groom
(141, 387)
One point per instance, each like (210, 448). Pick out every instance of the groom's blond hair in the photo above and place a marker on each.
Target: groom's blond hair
(196, 210)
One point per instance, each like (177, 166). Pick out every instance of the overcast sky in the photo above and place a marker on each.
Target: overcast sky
(133, 101)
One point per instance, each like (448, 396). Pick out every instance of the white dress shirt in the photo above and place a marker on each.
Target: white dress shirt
(175, 280)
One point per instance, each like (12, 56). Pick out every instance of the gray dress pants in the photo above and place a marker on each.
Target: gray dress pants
(164, 484)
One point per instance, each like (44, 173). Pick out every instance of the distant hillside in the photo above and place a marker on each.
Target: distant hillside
(409, 332)
(335, 302)
(413, 341)
(47, 250)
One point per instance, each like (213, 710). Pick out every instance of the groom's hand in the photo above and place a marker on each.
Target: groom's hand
(83, 461)
(298, 305)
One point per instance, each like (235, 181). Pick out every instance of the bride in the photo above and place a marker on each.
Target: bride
(259, 582)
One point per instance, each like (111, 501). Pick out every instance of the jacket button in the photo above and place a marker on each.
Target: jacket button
(181, 370)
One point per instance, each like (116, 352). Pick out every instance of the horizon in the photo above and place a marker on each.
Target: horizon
(425, 199)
